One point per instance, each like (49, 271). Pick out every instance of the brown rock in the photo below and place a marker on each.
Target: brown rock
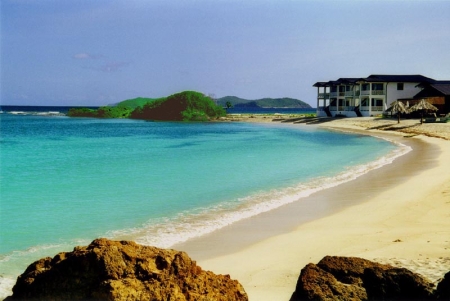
(113, 270)
(315, 283)
(396, 284)
(443, 288)
(351, 278)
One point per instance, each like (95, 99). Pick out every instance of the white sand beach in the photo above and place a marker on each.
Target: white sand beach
(398, 214)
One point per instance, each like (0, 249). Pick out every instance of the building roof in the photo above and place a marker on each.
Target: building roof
(443, 88)
(438, 89)
(377, 78)
(416, 78)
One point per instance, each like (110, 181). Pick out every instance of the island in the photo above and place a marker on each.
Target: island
(183, 106)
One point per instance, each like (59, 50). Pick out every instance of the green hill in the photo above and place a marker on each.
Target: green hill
(284, 102)
(184, 106)
(134, 102)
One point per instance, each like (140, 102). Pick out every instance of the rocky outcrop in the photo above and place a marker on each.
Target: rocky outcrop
(443, 288)
(123, 270)
(350, 278)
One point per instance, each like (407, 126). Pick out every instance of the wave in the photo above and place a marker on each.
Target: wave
(166, 232)
(34, 113)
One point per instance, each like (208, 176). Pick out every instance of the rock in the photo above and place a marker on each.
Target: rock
(113, 270)
(396, 284)
(316, 284)
(351, 278)
(443, 288)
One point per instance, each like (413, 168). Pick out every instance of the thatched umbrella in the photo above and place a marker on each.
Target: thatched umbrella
(397, 107)
(422, 106)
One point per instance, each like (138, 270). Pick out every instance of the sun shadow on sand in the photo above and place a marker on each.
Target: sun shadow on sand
(390, 127)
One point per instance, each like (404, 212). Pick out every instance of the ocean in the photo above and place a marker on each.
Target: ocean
(66, 181)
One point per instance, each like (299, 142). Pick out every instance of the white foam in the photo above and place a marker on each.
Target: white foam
(49, 113)
(6, 285)
(167, 232)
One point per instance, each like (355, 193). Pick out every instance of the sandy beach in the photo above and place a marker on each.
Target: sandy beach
(398, 214)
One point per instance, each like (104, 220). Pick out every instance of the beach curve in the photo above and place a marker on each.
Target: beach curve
(399, 215)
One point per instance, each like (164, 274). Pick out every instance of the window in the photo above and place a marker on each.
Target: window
(366, 87)
(399, 86)
(377, 87)
(377, 102)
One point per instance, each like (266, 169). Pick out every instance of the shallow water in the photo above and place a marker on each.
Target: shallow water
(66, 181)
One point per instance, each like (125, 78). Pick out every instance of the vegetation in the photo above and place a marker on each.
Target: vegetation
(135, 102)
(102, 112)
(263, 102)
(82, 112)
(184, 106)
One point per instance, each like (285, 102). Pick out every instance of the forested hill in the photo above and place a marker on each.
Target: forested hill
(263, 102)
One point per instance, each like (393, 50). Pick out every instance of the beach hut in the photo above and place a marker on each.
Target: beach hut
(397, 107)
(422, 106)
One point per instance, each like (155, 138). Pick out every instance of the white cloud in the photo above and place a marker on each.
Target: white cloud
(86, 56)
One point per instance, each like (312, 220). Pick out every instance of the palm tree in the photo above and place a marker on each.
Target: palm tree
(397, 107)
(422, 106)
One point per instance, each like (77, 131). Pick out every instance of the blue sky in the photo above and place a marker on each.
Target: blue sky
(97, 52)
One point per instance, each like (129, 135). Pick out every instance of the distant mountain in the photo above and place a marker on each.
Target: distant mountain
(284, 102)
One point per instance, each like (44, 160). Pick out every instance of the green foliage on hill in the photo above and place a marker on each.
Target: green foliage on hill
(102, 112)
(183, 106)
(263, 102)
(82, 112)
(135, 102)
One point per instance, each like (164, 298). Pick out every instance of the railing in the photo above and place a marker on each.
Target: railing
(324, 95)
(349, 93)
(378, 92)
(333, 94)
(373, 92)
(373, 108)
(333, 108)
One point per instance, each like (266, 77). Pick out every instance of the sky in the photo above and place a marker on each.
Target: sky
(99, 52)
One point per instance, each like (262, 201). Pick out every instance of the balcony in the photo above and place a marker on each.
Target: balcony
(324, 95)
(378, 92)
(378, 108)
(349, 93)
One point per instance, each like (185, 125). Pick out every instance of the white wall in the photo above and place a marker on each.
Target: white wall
(409, 90)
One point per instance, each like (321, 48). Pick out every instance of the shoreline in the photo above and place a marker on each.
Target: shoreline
(399, 215)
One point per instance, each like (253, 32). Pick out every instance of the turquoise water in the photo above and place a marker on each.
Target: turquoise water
(66, 181)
